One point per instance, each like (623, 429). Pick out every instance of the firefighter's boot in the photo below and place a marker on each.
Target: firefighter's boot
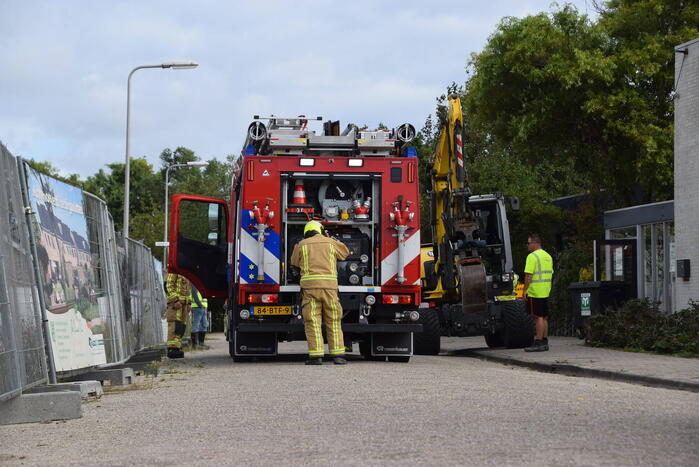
(174, 352)
(314, 361)
(202, 338)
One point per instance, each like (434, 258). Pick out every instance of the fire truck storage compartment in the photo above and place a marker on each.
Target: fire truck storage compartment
(347, 205)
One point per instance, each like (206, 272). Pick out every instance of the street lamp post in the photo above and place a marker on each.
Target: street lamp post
(180, 65)
(167, 186)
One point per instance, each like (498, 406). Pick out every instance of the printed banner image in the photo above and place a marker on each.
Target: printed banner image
(69, 276)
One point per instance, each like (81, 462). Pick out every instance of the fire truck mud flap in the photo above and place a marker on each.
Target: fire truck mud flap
(258, 344)
(391, 344)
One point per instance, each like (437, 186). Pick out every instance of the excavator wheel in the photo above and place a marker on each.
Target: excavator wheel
(518, 331)
(495, 339)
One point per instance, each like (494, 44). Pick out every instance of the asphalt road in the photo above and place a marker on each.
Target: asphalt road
(441, 410)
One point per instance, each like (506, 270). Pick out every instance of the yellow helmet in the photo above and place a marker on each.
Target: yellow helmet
(313, 226)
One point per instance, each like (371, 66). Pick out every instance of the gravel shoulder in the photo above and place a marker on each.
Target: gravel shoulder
(442, 410)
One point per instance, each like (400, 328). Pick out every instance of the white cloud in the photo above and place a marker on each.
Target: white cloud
(65, 64)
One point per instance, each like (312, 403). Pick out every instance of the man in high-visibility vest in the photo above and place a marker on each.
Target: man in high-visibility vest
(200, 323)
(538, 273)
(317, 255)
(179, 296)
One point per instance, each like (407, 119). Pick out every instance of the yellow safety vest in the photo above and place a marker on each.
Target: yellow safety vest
(202, 300)
(540, 266)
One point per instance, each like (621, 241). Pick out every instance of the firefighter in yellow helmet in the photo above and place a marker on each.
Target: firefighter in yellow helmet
(179, 302)
(316, 256)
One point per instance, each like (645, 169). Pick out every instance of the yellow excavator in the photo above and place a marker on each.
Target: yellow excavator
(467, 278)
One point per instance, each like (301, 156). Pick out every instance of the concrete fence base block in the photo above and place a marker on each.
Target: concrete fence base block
(41, 407)
(87, 389)
(116, 376)
(140, 367)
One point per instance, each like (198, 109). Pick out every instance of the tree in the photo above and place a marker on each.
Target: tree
(47, 168)
(592, 97)
(638, 108)
(526, 93)
(146, 192)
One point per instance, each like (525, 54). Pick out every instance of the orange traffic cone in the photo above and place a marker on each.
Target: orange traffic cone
(299, 193)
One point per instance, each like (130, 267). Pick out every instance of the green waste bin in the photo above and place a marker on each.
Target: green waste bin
(590, 298)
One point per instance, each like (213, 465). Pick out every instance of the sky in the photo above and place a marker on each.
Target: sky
(64, 68)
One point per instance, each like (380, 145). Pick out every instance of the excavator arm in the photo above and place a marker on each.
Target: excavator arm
(455, 231)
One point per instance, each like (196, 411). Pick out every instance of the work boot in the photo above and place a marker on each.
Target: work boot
(174, 352)
(537, 346)
(195, 344)
(545, 342)
(340, 361)
(314, 361)
(202, 338)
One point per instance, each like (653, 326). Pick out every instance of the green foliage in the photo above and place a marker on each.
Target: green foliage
(567, 269)
(527, 89)
(593, 97)
(639, 324)
(50, 169)
(145, 189)
(148, 190)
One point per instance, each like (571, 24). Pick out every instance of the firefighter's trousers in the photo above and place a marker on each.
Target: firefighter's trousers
(320, 305)
(176, 323)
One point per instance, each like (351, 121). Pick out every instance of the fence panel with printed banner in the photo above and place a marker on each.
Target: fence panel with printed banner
(70, 272)
(64, 254)
(100, 311)
(22, 356)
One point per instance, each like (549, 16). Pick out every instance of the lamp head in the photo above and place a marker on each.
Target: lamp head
(180, 65)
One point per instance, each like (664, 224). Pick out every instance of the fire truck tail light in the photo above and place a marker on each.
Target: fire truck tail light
(303, 162)
(397, 299)
(263, 298)
(355, 162)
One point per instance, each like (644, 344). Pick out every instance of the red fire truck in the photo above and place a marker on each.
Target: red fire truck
(361, 184)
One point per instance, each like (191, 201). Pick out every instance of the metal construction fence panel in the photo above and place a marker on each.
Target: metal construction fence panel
(22, 355)
(69, 272)
(146, 296)
(107, 292)
(102, 298)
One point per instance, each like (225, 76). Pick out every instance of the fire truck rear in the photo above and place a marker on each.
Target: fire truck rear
(361, 185)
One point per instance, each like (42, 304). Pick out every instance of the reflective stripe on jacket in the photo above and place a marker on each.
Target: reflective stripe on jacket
(317, 258)
(540, 266)
(178, 288)
(197, 300)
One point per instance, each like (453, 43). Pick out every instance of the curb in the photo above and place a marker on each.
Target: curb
(572, 370)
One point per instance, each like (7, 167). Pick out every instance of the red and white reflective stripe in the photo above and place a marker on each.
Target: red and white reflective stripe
(459, 147)
(389, 264)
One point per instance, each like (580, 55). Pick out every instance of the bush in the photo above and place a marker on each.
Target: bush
(567, 266)
(640, 325)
